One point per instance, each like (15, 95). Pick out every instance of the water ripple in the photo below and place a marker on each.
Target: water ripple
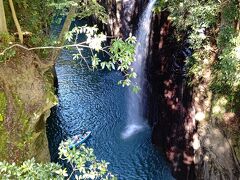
(94, 101)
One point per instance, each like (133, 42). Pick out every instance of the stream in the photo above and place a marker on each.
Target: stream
(92, 100)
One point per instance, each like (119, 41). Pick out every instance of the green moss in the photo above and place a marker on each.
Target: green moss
(25, 132)
(24, 123)
(3, 133)
(237, 146)
(5, 39)
(50, 91)
(3, 106)
(3, 143)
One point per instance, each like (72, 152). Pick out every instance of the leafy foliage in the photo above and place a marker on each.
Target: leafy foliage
(36, 17)
(83, 162)
(212, 30)
(30, 169)
(84, 8)
(5, 39)
(123, 56)
(120, 52)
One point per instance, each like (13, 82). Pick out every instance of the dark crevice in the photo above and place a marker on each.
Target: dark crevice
(169, 101)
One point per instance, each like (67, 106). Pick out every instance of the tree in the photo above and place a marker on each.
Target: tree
(122, 50)
(82, 161)
(3, 23)
(20, 34)
(61, 38)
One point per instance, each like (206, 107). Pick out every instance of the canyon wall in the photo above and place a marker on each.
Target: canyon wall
(167, 97)
(197, 148)
(27, 94)
(170, 108)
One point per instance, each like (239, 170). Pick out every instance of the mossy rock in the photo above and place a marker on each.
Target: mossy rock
(26, 97)
(3, 105)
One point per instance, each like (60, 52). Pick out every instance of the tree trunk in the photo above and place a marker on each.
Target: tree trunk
(65, 28)
(3, 24)
(20, 34)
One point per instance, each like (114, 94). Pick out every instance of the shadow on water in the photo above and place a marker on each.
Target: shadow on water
(93, 100)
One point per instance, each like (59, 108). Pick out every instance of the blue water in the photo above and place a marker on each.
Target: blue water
(92, 100)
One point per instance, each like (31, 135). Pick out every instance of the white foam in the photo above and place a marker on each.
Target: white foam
(131, 130)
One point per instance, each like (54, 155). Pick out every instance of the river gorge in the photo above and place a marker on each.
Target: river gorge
(175, 127)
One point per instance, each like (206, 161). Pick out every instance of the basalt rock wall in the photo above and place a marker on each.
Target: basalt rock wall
(123, 16)
(169, 101)
(196, 149)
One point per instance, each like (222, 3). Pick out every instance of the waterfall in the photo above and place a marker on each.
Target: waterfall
(135, 121)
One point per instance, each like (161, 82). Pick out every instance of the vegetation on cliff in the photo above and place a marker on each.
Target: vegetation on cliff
(212, 30)
(27, 94)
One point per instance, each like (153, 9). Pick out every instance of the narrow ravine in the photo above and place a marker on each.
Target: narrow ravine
(94, 101)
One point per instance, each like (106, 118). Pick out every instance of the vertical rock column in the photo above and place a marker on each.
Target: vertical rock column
(170, 104)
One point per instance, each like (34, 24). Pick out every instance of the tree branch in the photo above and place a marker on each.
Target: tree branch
(20, 34)
(65, 28)
(77, 46)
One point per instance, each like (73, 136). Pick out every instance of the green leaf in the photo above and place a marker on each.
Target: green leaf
(103, 64)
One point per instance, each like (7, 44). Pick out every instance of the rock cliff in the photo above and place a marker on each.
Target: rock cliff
(26, 96)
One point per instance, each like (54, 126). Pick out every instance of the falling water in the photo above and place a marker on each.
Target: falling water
(135, 122)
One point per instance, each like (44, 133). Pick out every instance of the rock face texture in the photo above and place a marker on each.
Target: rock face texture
(123, 16)
(169, 98)
(130, 14)
(27, 94)
(215, 159)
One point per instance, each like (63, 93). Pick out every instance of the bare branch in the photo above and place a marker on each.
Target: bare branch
(82, 44)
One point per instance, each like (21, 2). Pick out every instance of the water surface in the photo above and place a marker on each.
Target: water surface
(93, 101)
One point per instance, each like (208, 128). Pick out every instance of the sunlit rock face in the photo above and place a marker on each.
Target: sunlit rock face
(27, 94)
(215, 158)
(131, 12)
(113, 9)
(123, 16)
(128, 10)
